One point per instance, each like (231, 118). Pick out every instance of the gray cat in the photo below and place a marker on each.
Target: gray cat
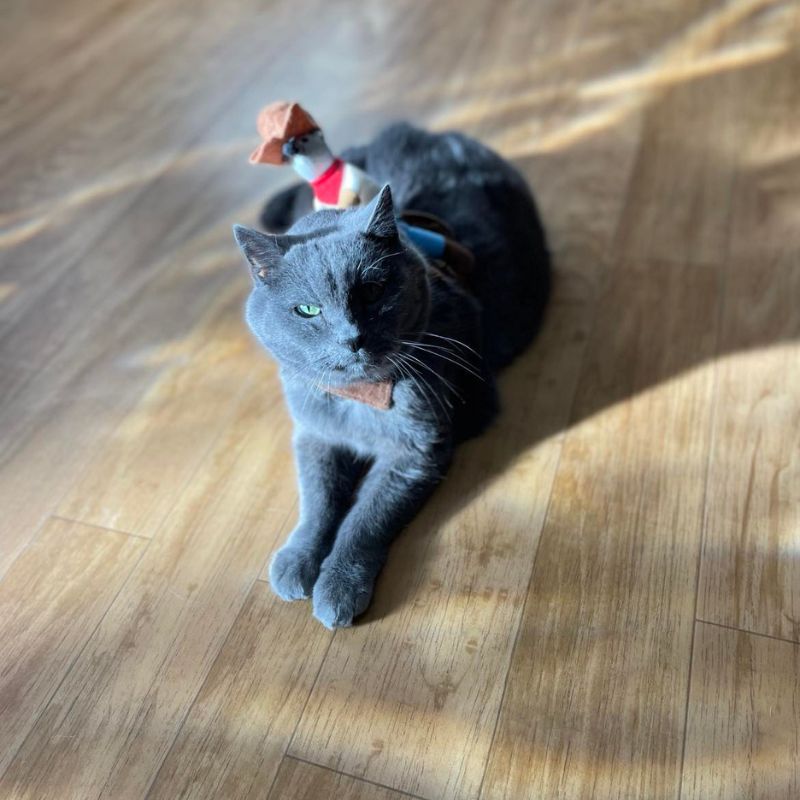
(344, 300)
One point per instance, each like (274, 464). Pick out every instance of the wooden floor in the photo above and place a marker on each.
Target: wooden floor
(603, 599)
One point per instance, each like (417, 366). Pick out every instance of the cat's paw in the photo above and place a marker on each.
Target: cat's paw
(293, 572)
(340, 595)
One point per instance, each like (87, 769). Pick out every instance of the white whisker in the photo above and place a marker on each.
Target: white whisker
(375, 263)
(435, 374)
(453, 357)
(454, 341)
(405, 372)
(403, 357)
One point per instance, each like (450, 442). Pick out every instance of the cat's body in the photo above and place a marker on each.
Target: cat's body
(381, 314)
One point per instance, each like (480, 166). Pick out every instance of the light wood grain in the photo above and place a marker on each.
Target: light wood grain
(571, 723)
(237, 731)
(532, 633)
(57, 416)
(751, 571)
(60, 30)
(300, 781)
(131, 482)
(50, 603)
(744, 715)
(110, 724)
(599, 674)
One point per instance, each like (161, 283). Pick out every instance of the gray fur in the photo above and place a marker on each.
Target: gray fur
(365, 472)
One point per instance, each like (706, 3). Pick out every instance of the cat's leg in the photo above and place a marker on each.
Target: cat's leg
(392, 492)
(327, 478)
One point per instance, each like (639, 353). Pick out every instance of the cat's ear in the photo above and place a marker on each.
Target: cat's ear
(382, 223)
(263, 251)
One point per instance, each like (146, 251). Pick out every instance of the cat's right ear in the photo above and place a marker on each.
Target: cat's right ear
(382, 224)
(263, 251)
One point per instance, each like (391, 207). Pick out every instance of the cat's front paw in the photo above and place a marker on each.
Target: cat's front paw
(340, 595)
(293, 572)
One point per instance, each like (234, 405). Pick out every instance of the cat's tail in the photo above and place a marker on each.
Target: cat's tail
(282, 210)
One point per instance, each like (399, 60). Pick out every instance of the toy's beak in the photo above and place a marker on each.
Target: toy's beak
(289, 149)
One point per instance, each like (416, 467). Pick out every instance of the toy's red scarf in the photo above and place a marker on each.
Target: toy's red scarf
(328, 185)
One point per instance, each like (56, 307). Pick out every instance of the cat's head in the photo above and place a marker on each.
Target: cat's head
(334, 296)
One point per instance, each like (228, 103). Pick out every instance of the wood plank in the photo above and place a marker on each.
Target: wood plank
(50, 603)
(96, 340)
(180, 200)
(744, 718)
(135, 474)
(59, 415)
(73, 164)
(237, 731)
(750, 574)
(73, 35)
(119, 76)
(695, 135)
(112, 721)
(298, 780)
(597, 686)
(594, 703)
(78, 176)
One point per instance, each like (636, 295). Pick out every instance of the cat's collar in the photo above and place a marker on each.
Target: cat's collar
(377, 394)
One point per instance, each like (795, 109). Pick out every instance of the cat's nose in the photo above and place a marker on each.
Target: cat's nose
(356, 343)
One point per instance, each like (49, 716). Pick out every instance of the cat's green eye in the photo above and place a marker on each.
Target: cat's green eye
(307, 310)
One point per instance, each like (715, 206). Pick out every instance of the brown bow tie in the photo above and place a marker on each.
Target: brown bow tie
(377, 395)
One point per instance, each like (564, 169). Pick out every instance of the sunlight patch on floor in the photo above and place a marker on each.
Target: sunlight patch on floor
(692, 54)
(6, 290)
(26, 223)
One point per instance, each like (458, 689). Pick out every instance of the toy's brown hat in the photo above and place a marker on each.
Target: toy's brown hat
(277, 123)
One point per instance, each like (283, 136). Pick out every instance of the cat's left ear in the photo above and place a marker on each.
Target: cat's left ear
(382, 223)
(263, 251)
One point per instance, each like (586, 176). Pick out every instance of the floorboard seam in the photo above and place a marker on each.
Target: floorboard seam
(72, 663)
(215, 439)
(565, 432)
(105, 528)
(722, 284)
(305, 705)
(747, 631)
(202, 683)
(355, 778)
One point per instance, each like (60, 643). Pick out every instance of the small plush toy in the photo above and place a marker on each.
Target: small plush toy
(291, 135)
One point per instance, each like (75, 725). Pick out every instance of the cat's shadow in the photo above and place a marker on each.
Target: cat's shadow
(627, 329)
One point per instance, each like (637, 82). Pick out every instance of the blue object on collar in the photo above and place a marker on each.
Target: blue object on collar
(431, 244)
